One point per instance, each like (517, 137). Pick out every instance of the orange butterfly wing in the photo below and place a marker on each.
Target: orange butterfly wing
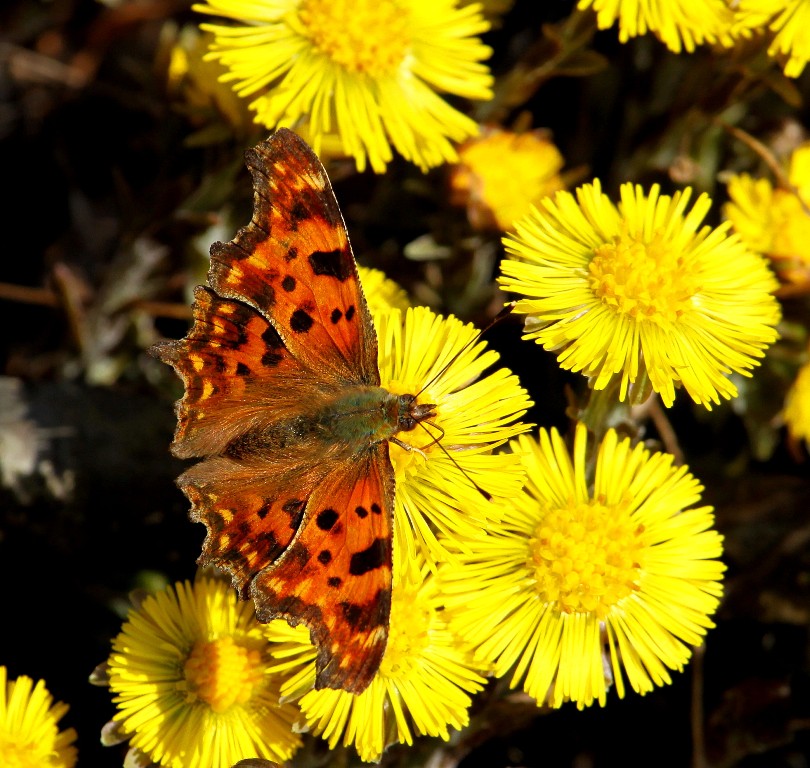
(293, 263)
(304, 527)
(336, 576)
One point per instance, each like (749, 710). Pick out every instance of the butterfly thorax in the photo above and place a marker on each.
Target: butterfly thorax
(365, 415)
(354, 419)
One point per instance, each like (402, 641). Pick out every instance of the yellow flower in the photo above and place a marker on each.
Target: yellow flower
(641, 290)
(29, 731)
(797, 406)
(194, 86)
(571, 569)
(776, 222)
(369, 70)
(190, 674)
(381, 292)
(441, 358)
(501, 173)
(423, 686)
(788, 20)
(679, 24)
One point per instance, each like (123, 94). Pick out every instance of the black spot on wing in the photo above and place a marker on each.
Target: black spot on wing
(274, 354)
(363, 617)
(242, 338)
(336, 263)
(375, 508)
(334, 581)
(242, 370)
(265, 295)
(361, 512)
(324, 557)
(271, 338)
(232, 558)
(299, 212)
(265, 508)
(215, 521)
(350, 312)
(375, 556)
(288, 283)
(271, 359)
(266, 544)
(295, 509)
(292, 254)
(354, 614)
(301, 321)
(335, 316)
(294, 506)
(326, 519)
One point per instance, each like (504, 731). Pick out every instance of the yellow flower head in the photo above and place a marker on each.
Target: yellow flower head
(193, 689)
(787, 20)
(441, 358)
(29, 730)
(679, 24)
(381, 292)
(797, 406)
(577, 583)
(369, 70)
(501, 173)
(423, 686)
(776, 222)
(194, 85)
(641, 290)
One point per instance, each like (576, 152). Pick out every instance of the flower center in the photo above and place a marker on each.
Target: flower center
(645, 280)
(369, 36)
(222, 673)
(408, 633)
(586, 557)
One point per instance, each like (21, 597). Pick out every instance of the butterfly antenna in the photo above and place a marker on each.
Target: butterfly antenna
(497, 319)
(435, 441)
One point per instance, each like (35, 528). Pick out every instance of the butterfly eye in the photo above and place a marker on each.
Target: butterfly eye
(411, 413)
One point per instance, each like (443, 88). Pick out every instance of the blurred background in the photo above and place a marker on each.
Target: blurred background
(121, 162)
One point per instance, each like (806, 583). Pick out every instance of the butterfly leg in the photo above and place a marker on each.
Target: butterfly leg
(406, 446)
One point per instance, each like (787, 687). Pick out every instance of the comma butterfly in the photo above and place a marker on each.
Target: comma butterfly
(283, 402)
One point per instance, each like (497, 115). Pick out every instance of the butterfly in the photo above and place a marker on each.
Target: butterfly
(283, 404)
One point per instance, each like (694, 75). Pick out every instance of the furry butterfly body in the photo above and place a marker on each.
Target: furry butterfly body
(283, 403)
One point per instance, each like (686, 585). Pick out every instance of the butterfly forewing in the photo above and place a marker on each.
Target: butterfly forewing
(294, 264)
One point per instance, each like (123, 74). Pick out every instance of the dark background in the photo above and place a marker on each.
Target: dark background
(109, 206)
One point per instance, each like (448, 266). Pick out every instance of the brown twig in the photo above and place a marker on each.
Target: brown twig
(767, 156)
(25, 294)
(45, 297)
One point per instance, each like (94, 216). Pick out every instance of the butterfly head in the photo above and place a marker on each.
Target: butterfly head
(412, 413)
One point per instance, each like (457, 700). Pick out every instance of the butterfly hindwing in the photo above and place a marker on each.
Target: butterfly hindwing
(336, 575)
(250, 516)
